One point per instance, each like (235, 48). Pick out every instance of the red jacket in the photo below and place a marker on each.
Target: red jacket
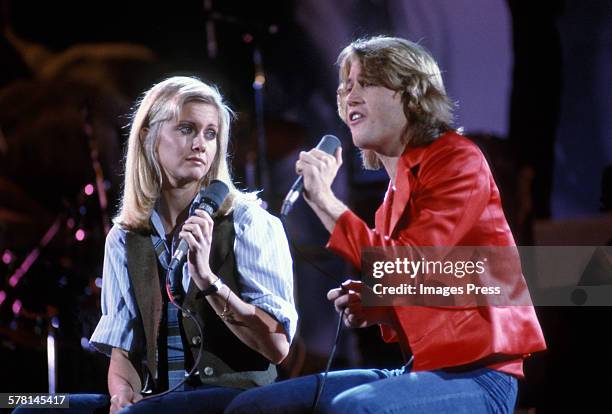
(445, 195)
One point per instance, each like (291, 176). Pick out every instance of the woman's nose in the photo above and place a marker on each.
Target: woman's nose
(199, 142)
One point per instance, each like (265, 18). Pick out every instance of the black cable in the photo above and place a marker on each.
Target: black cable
(303, 257)
(189, 314)
(321, 384)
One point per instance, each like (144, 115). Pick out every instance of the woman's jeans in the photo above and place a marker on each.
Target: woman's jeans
(199, 400)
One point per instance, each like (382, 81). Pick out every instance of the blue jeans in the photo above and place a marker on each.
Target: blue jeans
(200, 400)
(386, 391)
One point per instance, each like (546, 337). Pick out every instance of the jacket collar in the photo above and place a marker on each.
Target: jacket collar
(406, 175)
(398, 195)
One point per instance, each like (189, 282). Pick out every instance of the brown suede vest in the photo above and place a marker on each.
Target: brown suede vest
(225, 361)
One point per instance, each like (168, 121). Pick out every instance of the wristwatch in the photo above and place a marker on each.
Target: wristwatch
(213, 288)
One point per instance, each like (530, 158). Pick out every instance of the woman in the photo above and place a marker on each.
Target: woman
(237, 279)
(178, 143)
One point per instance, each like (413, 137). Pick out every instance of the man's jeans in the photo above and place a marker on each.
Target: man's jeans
(386, 391)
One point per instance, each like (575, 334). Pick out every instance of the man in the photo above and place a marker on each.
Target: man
(441, 193)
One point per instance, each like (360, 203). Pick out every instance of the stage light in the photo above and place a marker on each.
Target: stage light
(16, 307)
(14, 280)
(259, 81)
(7, 257)
(85, 343)
(79, 235)
(51, 373)
(89, 189)
(63, 281)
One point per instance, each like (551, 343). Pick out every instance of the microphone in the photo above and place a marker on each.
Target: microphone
(211, 199)
(328, 144)
(211, 39)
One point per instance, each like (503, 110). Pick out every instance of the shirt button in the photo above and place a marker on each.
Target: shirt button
(393, 188)
(386, 237)
(186, 314)
(208, 371)
(196, 340)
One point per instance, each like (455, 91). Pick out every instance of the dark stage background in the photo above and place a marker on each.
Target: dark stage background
(533, 81)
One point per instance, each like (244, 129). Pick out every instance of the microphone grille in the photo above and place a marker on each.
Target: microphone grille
(214, 194)
(328, 144)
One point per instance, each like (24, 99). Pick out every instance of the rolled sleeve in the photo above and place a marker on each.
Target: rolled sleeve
(116, 326)
(113, 332)
(265, 265)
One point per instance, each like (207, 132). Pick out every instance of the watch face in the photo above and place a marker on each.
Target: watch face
(213, 288)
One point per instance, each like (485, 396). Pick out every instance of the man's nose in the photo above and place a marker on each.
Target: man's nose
(355, 96)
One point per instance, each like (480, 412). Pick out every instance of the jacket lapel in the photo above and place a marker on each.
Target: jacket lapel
(379, 217)
(401, 196)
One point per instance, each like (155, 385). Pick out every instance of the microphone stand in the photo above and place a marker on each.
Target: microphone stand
(211, 38)
(262, 181)
(96, 166)
(258, 84)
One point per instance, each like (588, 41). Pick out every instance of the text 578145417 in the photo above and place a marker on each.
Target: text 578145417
(39, 400)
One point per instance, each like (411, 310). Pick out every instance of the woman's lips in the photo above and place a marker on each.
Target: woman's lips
(196, 160)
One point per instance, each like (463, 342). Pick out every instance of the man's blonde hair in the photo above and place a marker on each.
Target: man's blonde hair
(408, 69)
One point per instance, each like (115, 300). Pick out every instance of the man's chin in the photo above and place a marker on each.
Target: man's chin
(360, 142)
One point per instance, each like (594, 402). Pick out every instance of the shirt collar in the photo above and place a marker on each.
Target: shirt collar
(156, 222)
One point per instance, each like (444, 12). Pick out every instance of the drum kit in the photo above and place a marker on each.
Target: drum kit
(53, 222)
(60, 147)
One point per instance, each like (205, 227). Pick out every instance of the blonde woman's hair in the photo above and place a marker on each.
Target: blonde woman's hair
(407, 68)
(143, 178)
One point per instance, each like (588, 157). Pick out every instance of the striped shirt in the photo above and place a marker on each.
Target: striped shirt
(262, 258)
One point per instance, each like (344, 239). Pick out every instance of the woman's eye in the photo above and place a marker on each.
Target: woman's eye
(364, 84)
(185, 129)
(211, 134)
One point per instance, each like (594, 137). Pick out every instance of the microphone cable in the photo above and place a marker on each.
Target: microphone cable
(211, 198)
(189, 314)
(321, 385)
(332, 353)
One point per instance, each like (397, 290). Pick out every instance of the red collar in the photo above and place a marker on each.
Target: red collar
(405, 179)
